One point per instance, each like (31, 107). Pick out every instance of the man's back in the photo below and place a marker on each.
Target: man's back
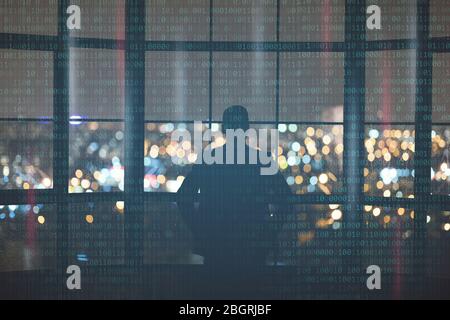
(232, 224)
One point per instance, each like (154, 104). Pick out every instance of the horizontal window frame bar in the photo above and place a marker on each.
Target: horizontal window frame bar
(291, 199)
(391, 45)
(395, 123)
(439, 44)
(74, 198)
(244, 46)
(251, 122)
(390, 202)
(19, 196)
(26, 120)
(87, 120)
(318, 123)
(82, 120)
(96, 43)
(48, 196)
(51, 43)
(29, 42)
(441, 124)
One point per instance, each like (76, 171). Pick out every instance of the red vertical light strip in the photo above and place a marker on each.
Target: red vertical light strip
(120, 34)
(31, 223)
(325, 37)
(326, 21)
(386, 118)
(397, 248)
(386, 108)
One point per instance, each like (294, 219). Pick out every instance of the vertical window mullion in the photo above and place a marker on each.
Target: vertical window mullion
(61, 142)
(134, 130)
(210, 63)
(277, 81)
(423, 127)
(354, 113)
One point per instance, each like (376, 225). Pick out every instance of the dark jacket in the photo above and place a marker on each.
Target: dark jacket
(232, 223)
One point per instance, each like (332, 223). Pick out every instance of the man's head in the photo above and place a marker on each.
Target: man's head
(235, 117)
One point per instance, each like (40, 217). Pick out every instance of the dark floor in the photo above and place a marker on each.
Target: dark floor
(196, 282)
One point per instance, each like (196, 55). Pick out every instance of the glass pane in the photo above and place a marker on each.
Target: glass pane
(441, 87)
(244, 20)
(390, 86)
(308, 237)
(96, 233)
(312, 86)
(101, 19)
(387, 234)
(398, 20)
(292, 237)
(315, 21)
(26, 155)
(246, 79)
(27, 237)
(389, 170)
(439, 18)
(96, 155)
(440, 160)
(311, 158)
(167, 163)
(389, 243)
(177, 20)
(438, 244)
(29, 17)
(97, 83)
(168, 239)
(177, 86)
(26, 82)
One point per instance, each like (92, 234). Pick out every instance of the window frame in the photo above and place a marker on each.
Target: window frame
(136, 45)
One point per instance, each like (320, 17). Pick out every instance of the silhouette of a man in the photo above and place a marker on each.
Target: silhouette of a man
(232, 224)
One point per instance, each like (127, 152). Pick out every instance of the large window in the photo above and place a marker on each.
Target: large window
(86, 116)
